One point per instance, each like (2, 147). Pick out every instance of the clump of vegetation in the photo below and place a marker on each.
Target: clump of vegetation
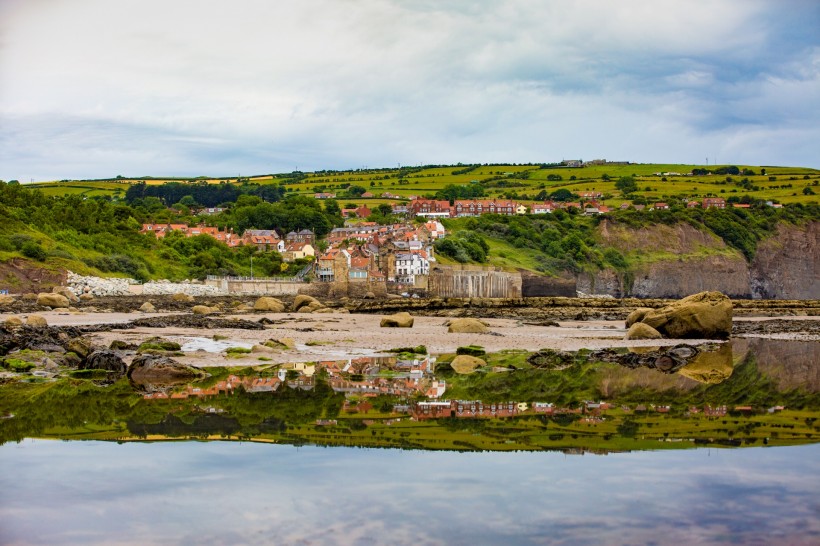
(471, 350)
(237, 351)
(158, 344)
(417, 350)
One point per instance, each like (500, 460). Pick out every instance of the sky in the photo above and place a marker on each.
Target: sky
(95, 88)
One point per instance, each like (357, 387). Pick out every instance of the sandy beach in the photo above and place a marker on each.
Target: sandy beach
(338, 336)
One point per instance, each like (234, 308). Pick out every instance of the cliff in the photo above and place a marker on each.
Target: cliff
(675, 261)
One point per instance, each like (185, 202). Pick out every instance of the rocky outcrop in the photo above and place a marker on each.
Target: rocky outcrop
(707, 315)
(399, 320)
(787, 266)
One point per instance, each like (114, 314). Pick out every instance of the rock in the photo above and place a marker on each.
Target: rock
(302, 300)
(398, 320)
(148, 307)
(264, 349)
(639, 330)
(80, 347)
(272, 305)
(203, 310)
(158, 344)
(637, 315)
(183, 297)
(104, 360)
(282, 343)
(86, 297)
(150, 370)
(67, 292)
(37, 320)
(707, 315)
(465, 364)
(311, 307)
(29, 296)
(549, 359)
(370, 296)
(12, 323)
(52, 300)
(120, 345)
(5, 300)
(467, 326)
(325, 310)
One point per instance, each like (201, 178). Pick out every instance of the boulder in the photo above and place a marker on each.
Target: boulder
(80, 347)
(637, 315)
(639, 330)
(148, 307)
(707, 315)
(181, 296)
(5, 300)
(104, 360)
(370, 296)
(29, 296)
(465, 364)
(282, 343)
(302, 300)
(269, 304)
(256, 349)
(150, 370)
(37, 320)
(467, 326)
(54, 301)
(311, 307)
(67, 292)
(398, 320)
(203, 310)
(12, 323)
(86, 297)
(120, 345)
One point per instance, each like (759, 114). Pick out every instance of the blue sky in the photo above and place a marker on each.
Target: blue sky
(93, 88)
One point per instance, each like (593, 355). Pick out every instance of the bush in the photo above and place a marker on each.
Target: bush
(34, 251)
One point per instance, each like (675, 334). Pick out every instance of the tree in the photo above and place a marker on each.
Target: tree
(562, 194)
(626, 184)
(332, 207)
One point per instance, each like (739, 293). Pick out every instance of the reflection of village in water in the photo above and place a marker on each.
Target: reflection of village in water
(414, 382)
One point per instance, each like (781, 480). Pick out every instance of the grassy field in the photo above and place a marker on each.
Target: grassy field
(784, 184)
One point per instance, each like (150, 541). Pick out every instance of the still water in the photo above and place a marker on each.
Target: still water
(244, 493)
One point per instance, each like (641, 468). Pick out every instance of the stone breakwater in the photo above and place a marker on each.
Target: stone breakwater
(100, 287)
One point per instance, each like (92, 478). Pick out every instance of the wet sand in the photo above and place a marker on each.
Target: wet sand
(337, 336)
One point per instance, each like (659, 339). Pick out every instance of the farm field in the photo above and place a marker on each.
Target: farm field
(656, 182)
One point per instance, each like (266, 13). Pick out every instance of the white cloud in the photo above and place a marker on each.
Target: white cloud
(198, 86)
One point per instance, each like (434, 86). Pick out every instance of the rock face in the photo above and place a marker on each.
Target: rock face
(707, 315)
(467, 326)
(52, 300)
(272, 305)
(399, 320)
(151, 370)
(787, 266)
(639, 330)
(465, 364)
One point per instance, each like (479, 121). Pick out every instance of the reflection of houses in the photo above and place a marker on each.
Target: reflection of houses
(476, 408)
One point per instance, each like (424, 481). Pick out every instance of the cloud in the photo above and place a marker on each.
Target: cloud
(203, 87)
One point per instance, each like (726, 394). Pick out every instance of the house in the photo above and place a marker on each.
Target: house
(521, 209)
(296, 251)
(368, 195)
(324, 195)
(692, 204)
(660, 206)
(302, 236)
(717, 202)
(590, 194)
(411, 264)
(539, 208)
(429, 208)
(263, 239)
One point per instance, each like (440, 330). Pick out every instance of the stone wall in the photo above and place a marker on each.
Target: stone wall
(473, 282)
(256, 287)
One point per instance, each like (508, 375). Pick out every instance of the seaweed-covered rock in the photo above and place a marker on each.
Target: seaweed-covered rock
(549, 359)
(104, 359)
(153, 370)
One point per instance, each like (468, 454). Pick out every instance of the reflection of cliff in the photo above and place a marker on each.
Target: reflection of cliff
(791, 364)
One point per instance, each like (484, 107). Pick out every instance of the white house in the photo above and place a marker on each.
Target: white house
(408, 265)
